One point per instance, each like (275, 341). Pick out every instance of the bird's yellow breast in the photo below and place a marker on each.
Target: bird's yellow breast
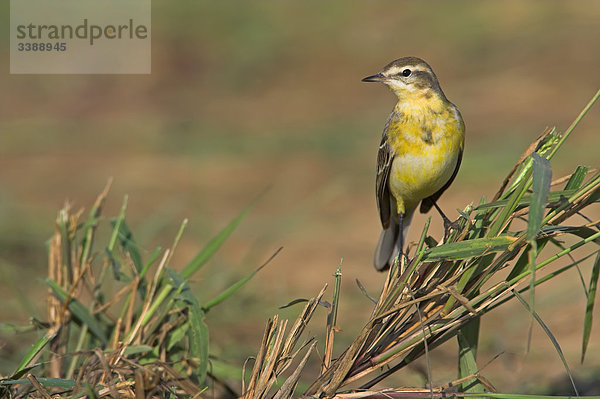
(426, 134)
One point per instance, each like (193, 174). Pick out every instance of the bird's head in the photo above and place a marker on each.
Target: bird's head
(408, 76)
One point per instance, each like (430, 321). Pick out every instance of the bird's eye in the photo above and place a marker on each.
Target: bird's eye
(406, 73)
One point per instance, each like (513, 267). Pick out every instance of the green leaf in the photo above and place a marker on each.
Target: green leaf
(117, 224)
(577, 178)
(176, 335)
(213, 245)
(236, 286)
(90, 225)
(198, 331)
(79, 311)
(128, 243)
(553, 196)
(505, 213)
(542, 177)
(130, 246)
(32, 353)
(198, 338)
(543, 279)
(468, 339)
(479, 221)
(150, 261)
(550, 335)
(332, 317)
(135, 349)
(533, 253)
(467, 249)
(115, 267)
(523, 261)
(589, 308)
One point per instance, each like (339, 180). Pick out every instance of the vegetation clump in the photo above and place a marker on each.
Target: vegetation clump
(123, 325)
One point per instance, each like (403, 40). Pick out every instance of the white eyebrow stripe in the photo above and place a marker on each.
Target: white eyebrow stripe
(396, 69)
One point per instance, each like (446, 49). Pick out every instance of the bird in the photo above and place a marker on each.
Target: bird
(419, 156)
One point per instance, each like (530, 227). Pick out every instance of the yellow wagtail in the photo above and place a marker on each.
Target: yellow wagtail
(420, 152)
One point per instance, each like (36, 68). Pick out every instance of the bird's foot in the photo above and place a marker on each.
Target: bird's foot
(403, 262)
(449, 226)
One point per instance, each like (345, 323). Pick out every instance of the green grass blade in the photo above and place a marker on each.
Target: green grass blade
(556, 256)
(479, 221)
(505, 212)
(542, 176)
(467, 249)
(468, 339)
(128, 243)
(533, 253)
(553, 196)
(158, 301)
(543, 279)
(591, 189)
(589, 308)
(523, 260)
(546, 142)
(90, 225)
(332, 318)
(32, 353)
(135, 349)
(115, 267)
(117, 225)
(577, 178)
(198, 339)
(79, 311)
(197, 331)
(213, 245)
(176, 335)
(550, 335)
(236, 286)
(421, 243)
(176, 241)
(150, 261)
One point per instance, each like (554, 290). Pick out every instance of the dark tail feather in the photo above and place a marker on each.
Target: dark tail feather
(391, 242)
(387, 249)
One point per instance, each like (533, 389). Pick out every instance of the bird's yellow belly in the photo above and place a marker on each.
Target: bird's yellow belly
(416, 175)
(426, 145)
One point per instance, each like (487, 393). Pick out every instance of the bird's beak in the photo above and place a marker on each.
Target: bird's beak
(374, 78)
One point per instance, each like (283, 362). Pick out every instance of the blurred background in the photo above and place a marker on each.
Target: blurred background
(246, 98)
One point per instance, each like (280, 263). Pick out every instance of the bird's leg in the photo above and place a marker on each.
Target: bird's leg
(401, 254)
(448, 225)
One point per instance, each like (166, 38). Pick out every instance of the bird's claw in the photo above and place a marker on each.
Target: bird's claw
(448, 226)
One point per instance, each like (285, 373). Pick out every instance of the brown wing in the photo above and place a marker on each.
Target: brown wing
(385, 157)
(427, 203)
